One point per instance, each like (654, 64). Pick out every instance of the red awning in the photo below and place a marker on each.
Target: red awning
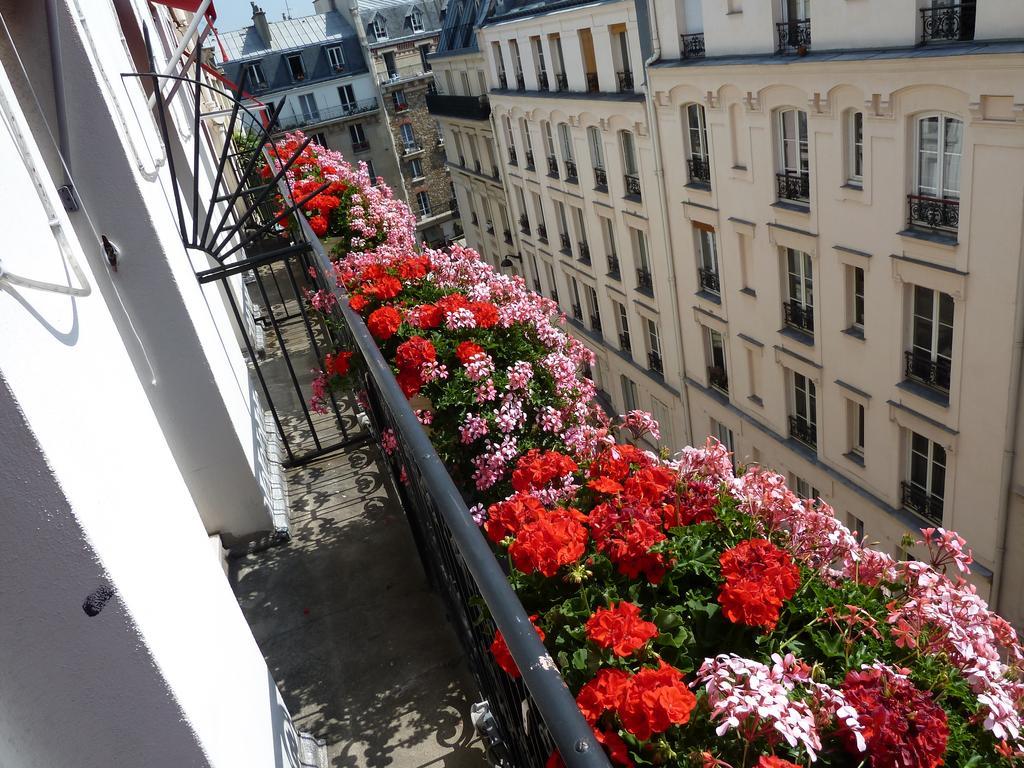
(189, 5)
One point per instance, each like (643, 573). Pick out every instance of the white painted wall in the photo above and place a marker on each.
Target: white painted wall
(168, 674)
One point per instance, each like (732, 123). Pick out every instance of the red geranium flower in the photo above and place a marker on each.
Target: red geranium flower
(485, 314)
(605, 692)
(770, 761)
(759, 578)
(627, 537)
(655, 700)
(695, 505)
(358, 302)
(506, 517)
(537, 468)
(620, 628)
(902, 725)
(451, 303)
(410, 382)
(502, 655)
(383, 288)
(428, 316)
(414, 268)
(383, 323)
(318, 225)
(337, 364)
(414, 353)
(649, 485)
(467, 350)
(545, 545)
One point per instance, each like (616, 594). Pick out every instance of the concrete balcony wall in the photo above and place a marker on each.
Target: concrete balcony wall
(871, 24)
(751, 31)
(166, 673)
(999, 20)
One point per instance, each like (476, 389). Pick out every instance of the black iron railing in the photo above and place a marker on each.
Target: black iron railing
(552, 166)
(933, 212)
(508, 236)
(412, 147)
(495, 173)
(600, 177)
(632, 184)
(644, 281)
(542, 80)
(654, 362)
(577, 311)
(793, 186)
(584, 251)
(570, 171)
(625, 81)
(490, 228)
(554, 295)
(718, 379)
(542, 232)
(799, 316)
(360, 146)
(524, 223)
(595, 323)
(593, 84)
(922, 367)
(536, 285)
(709, 280)
(529, 159)
(464, 107)
(927, 505)
(512, 159)
(692, 46)
(503, 81)
(520, 81)
(793, 36)
(948, 22)
(453, 205)
(476, 163)
(804, 431)
(566, 243)
(699, 169)
(328, 114)
(613, 267)
(561, 81)
(624, 342)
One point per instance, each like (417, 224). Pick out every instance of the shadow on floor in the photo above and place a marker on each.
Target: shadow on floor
(360, 649)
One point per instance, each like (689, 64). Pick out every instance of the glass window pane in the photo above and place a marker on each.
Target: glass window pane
(918, 470)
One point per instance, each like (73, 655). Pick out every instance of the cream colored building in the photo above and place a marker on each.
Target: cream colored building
(847, 229)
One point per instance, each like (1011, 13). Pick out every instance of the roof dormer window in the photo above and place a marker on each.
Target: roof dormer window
(416, 21)
(337, 58)
(380, 28)
(296, 67)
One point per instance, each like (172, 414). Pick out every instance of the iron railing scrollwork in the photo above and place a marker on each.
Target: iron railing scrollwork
(595, 323)
(933, 212)
(584, 252)
(577, 312)
(793, 186)
(799, 316)
(793, 35)
(632, 184)
(553, 166)
(927, 505)
(542, 232)
(625, 81)
(644, 280)
(561, 81)
(520, 81)
(934, 372)
(709, 280)
(503, 81)
(593, 84)
(654, 362)
(565, 241)
(524, 223)
(600, 178)
(613, 267)
(570, 171)
(699, 169)
(804, 431)
(624, 342)
(529, 159)
(512, 158)
(948, 22)
(718, 379)
(692, 46)
(542, 80)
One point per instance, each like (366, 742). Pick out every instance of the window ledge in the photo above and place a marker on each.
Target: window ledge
(854, 332)
(634, 199)
(756, 400)
(749, 292)
(856, 458)
(795, 207)
(708, 296)
(811, 454)
(935, 238)
(602, 188)
(575, 180)
(795, 335)
(645, 292)
(925, 392)
(700, 186)
(853, 186)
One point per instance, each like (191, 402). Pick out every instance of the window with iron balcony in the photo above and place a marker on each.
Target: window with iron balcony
(565, 242)
(934, 203)
(613, 267)
(584, 251)
(948, 21)
(570, 171)
(793, 36)
(692, 46)
(625, 81)
(524, 223)
(553, 166)
(561, 81)
(924, 489)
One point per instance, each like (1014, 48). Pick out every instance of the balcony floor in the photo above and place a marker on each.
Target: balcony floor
(359, 647)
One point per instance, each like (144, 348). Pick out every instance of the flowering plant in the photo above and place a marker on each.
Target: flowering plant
(702, 616)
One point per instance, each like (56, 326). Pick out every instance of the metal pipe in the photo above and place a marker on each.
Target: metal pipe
(172, 62)
(57, 73)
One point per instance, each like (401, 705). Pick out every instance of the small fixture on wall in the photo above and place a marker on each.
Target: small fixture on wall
(111, 251)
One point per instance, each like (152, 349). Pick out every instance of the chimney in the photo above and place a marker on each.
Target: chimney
(324, 6)
(259, 20)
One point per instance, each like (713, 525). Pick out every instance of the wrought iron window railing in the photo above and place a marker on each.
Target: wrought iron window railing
(699, 169)
(948, 22)
(503, 81)
(933, 212)
(595, 323)
(584, 251)
(520, 81)
(692, 46)
(793, 36)
(542, 80)
(561, 81)
(524, 223)
(566, 243)
(613, 267)
(922, 367)
(927, 505)
(593, 84)
(709, 280)
(718, 379)
(324, 115)
(793, 186)
(644, 281)
(600, 178)
(632, 184)
(799, 316)
(508, 236)
(512, 159)
(654, 362)
(552, 166)
(570, 171)
(577, 312)
(624, 342)
(536, 285)
(804, 431)
(529, 160)
(625, 81)
(542, 232)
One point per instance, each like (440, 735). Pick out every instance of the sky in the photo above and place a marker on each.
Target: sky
(235, 14)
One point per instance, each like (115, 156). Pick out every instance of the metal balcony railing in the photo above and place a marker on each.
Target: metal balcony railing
(584, 251)
(542, 232)
(503, 81)
(933, 212)
(542, 80)
(561, 81)
(412, 147)
(632, 184)
(699, 169)
(536, 285)
(613, 267)
(624, 342)
(709, 280)
(593, 84)
(288, 122)
(552, 166)
(520, 81)
(644, 281)
(463, 107)
(566, 243)
(927, 505)
(529, 160)
(799, 316)
(531, 715)
(948, 22)
(600, 178)
(692, 46)
(804, 431)
(718, 379)
(793, 36)
(654, 362)
(524, 223)
(595, 323)
(570, 171)
(625, 81)
(793, 186)
(508, 236)
(931, 371)
(512, 159)
(577, 312)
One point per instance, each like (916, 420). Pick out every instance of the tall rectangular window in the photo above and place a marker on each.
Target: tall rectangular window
(793, 179)
(596, 150)
(630, 401)
(714, 350)
(622, 324)
(423, 203)
(803, 489)
(409, 138)
(707, 266)
(566, 138)
(654, 361)
(628, 153)
(855, 148)
(930, 359)
(577, 304)
(296, 67)
(358, 136)
(308, 103)
(698, 162)
(724, 435)
(644, 278)
(347, 96)
(855, 429)
(799, 307)
(610, 248)
(855, 298)
(594, 308)
(803, 419)
(336, 57)
(256, 76)
(925, 488)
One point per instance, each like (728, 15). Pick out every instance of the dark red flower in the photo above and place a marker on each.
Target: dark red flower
(318, 225)
(485, 313)
(383, 323)
(414, 353)
(502, 655)
(337, 364)
(695, 505)
(467, 350)
(620, 628)
(758, 578)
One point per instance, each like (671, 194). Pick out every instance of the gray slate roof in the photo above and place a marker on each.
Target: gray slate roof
(396, 14)
(289, 34)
